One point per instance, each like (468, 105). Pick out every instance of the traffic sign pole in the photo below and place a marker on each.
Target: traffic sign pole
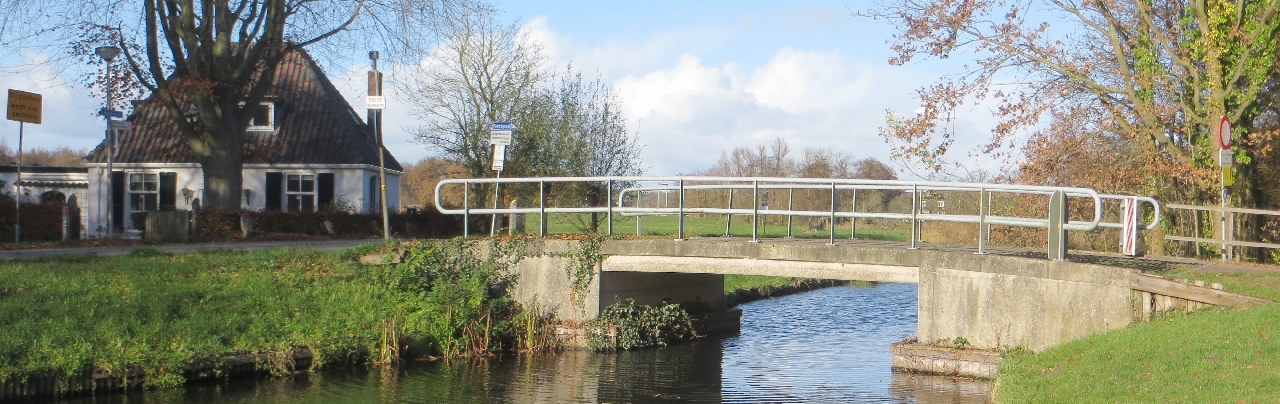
(499, 137)
(17, 195)
(375, 118)
(1225, 161)
(22, 107)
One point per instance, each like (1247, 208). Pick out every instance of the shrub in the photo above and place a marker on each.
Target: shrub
(225, 224)
(626, 325)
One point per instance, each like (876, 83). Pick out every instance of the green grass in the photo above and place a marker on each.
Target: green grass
(1266, 286)
(710, 226)
(734, 283)
(1204, 356)
(160, 311)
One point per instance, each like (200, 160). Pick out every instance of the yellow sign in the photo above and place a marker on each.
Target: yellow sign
(24, 106)
(1227, 178)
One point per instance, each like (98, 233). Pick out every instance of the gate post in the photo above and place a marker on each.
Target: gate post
(1057, 233)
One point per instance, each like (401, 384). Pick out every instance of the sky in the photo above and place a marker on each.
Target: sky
(696, 79)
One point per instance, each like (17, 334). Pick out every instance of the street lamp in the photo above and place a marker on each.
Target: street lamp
(109, 53)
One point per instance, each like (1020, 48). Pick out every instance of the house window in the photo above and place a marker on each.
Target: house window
(300, 192)
(264, 117)
(144, 196)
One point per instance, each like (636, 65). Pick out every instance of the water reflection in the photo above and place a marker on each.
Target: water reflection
(829, 345)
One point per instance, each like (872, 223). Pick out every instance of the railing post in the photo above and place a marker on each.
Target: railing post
(755, 210)
(542, 208)
(853, 221)
(609, 200)
(466, 209)
(639, 196)
(832, 227)
(915, 208)
(681, 196)
(728, 218)
(990, 203)
(790, 192)
(1057, 249)
(982, 220)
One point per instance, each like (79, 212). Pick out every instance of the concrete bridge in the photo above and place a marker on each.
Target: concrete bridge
(1002, 299)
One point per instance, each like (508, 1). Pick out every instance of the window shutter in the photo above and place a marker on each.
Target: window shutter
(275, 190)
(168, 191)
(117, 199)
(324, 190)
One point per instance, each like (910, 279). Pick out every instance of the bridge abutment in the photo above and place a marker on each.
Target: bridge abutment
(994, 301)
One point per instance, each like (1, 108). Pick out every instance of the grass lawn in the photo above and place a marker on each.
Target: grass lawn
(710, 226)
(734, 283)
(1222, 356)
(159, 312)
(1266, 286)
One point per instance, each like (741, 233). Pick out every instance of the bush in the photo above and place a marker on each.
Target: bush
(626, 325)
(40, 221)
(225, 224)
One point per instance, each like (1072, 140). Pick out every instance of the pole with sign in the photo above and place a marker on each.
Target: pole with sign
(500, 138)
(1225, 160)
(376, 103)
(24, 107)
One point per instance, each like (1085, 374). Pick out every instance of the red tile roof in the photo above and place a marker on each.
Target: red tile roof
(314, 124)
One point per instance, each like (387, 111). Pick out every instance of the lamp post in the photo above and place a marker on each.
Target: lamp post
(109, 53)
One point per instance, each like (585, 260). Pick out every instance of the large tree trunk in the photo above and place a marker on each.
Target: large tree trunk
(223, 171)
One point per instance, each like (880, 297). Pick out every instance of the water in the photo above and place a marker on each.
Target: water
(829, 345)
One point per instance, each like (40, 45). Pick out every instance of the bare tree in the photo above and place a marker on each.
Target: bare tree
(211, 62)
(483, 71)
(761, 160)
(488, 71)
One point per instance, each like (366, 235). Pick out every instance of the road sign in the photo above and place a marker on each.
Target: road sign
(500, 133)
(375, 102)
(111, 113)
(122, 125)
(1224, 132)
(25, 107)
(1225, 159)
(499, 156)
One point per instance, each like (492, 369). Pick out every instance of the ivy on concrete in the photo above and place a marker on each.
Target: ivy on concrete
(626, 325)
(582, 265)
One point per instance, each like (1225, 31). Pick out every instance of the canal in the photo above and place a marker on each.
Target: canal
(828, 345)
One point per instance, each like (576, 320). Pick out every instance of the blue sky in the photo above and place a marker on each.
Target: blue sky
(696, 78)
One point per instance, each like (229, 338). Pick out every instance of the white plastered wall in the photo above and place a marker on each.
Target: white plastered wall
(94, 207)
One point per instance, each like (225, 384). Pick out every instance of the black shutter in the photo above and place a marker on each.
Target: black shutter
(275, 190)
(168, 191)
(324, 189)
(117, 199)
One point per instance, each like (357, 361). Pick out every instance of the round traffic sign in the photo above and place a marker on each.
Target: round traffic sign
(1224, 132)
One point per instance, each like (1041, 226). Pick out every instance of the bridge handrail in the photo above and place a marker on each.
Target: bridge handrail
(682, 184)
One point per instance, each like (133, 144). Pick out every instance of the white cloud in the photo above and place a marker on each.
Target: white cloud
(612, 59)
(797, 81)
(690, 113)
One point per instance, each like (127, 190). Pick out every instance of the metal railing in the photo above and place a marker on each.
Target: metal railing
(1226, 230)
(618, 189)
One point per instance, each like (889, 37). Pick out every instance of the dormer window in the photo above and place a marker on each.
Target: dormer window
(264, 117)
